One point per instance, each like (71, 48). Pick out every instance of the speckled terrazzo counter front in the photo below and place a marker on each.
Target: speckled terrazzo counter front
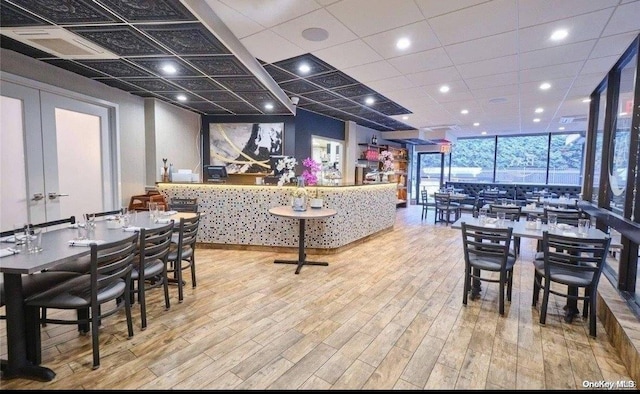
(238, 214)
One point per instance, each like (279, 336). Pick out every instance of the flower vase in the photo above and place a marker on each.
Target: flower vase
(299, 201)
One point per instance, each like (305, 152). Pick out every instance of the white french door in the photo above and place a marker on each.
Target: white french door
(56, 156)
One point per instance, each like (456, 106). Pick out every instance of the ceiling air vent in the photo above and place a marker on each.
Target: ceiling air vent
(573, 119)
(58, 42)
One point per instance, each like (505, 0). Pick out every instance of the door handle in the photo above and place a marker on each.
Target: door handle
(53, 195)
(37, 197)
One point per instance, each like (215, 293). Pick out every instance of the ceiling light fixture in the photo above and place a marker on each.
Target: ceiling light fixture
(268, 106)
(181, 97)
(464, 111)
(622, 114)
(405, 118)
(315, 34)
(484, 133)
(403, 43)
(369, 100)
(561, 128)
(539, 110)
(476, 124)
(545, 86)
(169, 69)
(536, 120)
(304, 68)
(444, 89)
(587, 100)
(559, 34)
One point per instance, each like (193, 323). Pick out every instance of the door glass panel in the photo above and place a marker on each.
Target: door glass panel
(430, 170)
(13, 195)
(597, 161)
(78, 141)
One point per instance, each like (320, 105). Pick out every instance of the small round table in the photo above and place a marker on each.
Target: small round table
(302, 216)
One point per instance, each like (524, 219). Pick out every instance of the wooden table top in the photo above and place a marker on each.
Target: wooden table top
(310, 213)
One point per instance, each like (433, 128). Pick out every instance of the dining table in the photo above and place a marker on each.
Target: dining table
(60, 245)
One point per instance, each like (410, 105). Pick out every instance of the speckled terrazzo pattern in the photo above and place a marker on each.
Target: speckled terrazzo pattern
(238, 214)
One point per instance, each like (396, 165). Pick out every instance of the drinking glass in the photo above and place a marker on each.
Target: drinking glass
(90, 221)
(504, 201)
(552, 221)
(82, 231)
(19, 236)
(482, 215)
(501, 216)
(152, 209)
(593, 222)
(159, 211)
(583, 226)
(35, 240)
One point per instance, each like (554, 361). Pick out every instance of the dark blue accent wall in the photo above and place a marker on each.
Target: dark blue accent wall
(308, 124)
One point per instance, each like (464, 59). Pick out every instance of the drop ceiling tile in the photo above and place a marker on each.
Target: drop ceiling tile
(366, 17)
(173, 97)
(271, 47)
(391, 84)
(207, 107)
(258, 97)
(152, 84)
(72, 66)
(556, 55)
(278, 74)
(535, 12)
(218, 96)
(390, 108)
(269, 14)
(321, 96)
(240, 84)
(196, 83)
(494, 91)
(299, 86)
(354, 91)
(624, 19)
(115, 68)
(121, 40)
(421, 61)
(240, 25)
(486, 19)
(292, 30)
(489, 81)
(372, 71)
(484, 48)
(315, 107)
(186, 39)
(239, 107)
(420, 35)
(432, 8)
(225, 65)
(600, 65)
(488, 67)
(580, 28)
(155, 65)
(17, 46)
(148, 11)
(441, 75)
(551, 72)
(316, 65)
(359, 53)
(67, 12)
(341, 104)
(118, 84)
(333, 80)
(362, 100)
(613, 45)
(11, 15)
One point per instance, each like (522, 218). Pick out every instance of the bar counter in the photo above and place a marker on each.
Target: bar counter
(238, 215)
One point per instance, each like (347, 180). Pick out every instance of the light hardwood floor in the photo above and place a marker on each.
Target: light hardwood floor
(384, 314)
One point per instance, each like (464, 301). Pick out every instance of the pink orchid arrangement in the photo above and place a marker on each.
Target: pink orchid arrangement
(309, 174)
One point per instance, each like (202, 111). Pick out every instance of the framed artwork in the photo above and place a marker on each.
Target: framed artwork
(245, 148)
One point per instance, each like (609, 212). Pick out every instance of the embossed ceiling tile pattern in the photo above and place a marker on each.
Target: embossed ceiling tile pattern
(115, 68)
(332, 80)
(121, 40)
(119, 84)
(65, 12)
(150, 10)
(75, 67)
(390, 108)
(279, 75)
(186, 39)
(257, 97)
(218, 65)
(173, 96)
(153, 85)
(196, 83)
(11, 16)
(239, 107)
(354, 91)
(316, 107)
(218, 95)
(207, 107)
(156, 64)
(322, 95)
(341, 104)
(17, 46)
(299, 86)
(240, 84)
(316, 66)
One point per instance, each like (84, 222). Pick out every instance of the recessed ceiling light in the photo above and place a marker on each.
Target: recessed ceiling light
(464, 111)
(622, 114)
(315, 34)
(545, 86)
(169, 69)
(539, 110)
(444, 89)
(536, 120)
(304, 68)
(181, 97)
(405, 118)
(403, 43)
(484, 133)
(476, 124)
(559, 34)
(268, 106)
(587, 100)
(369, 100)
(561, 128)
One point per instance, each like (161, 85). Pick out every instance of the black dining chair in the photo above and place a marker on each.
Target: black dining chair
(109, 279)
(487, 249)
(565, 216)
(515, 212)
(445, 208)
(182, 253)
(575, 263)
(426, 203)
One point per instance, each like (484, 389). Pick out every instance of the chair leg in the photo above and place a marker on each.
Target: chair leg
(94, 334)
(142, 300)
(193, 269)
(536, 289)
(127, 310)
(585, 306)
(178, 268)
(545, 301)
(467, 284)
(501, 295)
(592, 314)
(165, 278)
(509, 284)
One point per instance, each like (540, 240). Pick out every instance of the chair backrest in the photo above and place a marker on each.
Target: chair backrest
(424, 196)
(566, 216)
(584, 257)
(488, 243)
(188, 230)
(442, 199)
(514, 212)
(111, 262)
(154, 245)
(184, 204)
(490, 196)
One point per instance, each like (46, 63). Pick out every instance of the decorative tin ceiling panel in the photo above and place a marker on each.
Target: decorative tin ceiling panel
(67, 12)
(240, 84)
(219, 65)
(11, 16)
(218, 96)
(195, 84)
(149, 10)
(187, 39)
(333, 80)
(121, 40)
(116, 68)
(157, 66)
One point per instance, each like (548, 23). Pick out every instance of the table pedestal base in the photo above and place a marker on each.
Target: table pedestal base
(301, 263)
(33, 372)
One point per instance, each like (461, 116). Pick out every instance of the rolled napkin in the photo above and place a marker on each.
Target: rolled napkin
(490, 225)
(169, 213)
(76, 225)
(569, 234)
(131, 229)
(110, 217)
(163, 220)
(8, 252)
(10, 239)
(85, 242)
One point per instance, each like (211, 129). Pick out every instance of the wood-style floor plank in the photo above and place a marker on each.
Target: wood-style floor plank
(385, 314)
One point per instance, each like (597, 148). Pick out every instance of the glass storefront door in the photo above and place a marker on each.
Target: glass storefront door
(429, 174)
